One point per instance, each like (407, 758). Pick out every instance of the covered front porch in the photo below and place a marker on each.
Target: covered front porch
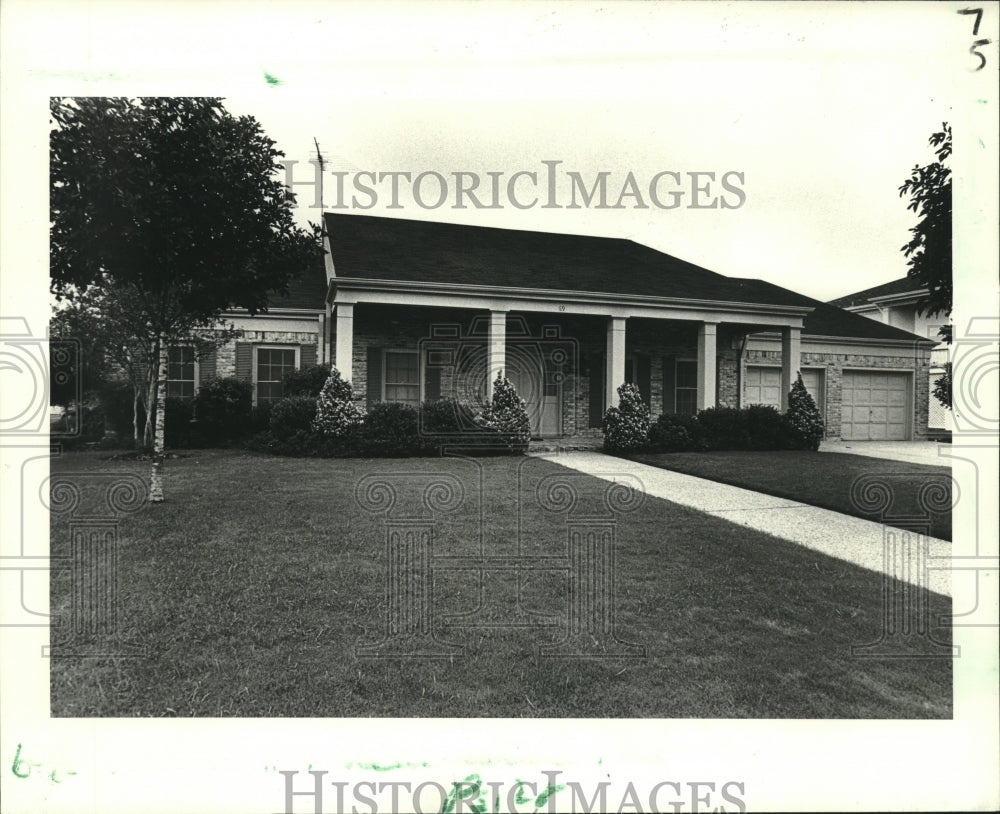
(567, 355)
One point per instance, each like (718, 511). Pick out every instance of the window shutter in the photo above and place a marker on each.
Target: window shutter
(307, 356)
(432, 382)
(244, 361)
(206, 366)
(374, 375)
(643, 375)
(669, 385)
(596, 390)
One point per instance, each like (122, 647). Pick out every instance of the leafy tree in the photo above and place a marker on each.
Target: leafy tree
(167, 212)
(929, 250)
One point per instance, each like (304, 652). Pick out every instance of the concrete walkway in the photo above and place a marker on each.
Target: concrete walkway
(837, 535)
(914, 452)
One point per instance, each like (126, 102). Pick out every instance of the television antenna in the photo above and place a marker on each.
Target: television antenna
(322, 167)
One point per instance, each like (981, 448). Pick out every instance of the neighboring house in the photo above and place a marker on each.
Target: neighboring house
(897, 303)
(410, 311)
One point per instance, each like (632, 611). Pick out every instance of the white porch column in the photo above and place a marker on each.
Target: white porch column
(496, 349)
(322, 340)
(791, 352)
(706, 392)
(344, 360)
(614, 369)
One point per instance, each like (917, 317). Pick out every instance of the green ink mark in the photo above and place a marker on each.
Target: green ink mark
(16, 765)
(472, 795)
(982, 101)
(271, 80)
(376, 767)
(981, 144)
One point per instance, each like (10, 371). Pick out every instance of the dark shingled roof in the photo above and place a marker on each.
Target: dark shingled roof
(307, 290)
(370, 247)
(901, 286)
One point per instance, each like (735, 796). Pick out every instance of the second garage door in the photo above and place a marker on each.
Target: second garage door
(762, 385)
(874, 406)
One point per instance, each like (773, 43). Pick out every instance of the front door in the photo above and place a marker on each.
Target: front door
(538, 380)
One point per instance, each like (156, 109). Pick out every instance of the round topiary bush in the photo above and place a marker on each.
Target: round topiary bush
(626, 427)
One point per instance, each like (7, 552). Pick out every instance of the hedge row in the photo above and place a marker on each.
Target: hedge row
(759, 427)
(388, 430)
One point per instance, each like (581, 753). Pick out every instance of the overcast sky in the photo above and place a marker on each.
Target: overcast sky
(823, 110)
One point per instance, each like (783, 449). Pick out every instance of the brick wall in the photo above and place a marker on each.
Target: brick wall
(834, 365)
(408, 326)
(226, 355)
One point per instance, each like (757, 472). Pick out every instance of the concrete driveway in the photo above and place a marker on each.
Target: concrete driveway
(918, 452)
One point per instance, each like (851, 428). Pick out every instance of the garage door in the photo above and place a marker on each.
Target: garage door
(874, 406)
(762, 385)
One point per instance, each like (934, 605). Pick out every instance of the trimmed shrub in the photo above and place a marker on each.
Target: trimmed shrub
(336, 413)
(117, 399)
(675, 433)
(452, 424)
(507, 415)
(803, 419)
(446, 417)
(392, 430)
(626, 427)
(260, 418)
(222, 410)
(177, 422)
(306, 381)
(723, 428)
(765, 427)
(291, 415)
(302, 444)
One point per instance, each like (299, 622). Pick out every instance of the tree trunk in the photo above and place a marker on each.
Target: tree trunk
(160, 386)
(136, 401)
(154, 395)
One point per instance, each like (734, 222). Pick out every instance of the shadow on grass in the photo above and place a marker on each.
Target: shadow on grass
(252, 587)
(818, 479)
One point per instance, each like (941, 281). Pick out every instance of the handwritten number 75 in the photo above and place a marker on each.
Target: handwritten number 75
(975, 30)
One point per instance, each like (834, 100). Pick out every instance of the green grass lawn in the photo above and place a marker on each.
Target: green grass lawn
(251, 588)
(818, 479)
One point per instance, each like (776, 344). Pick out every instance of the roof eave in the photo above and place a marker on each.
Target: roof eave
(483, 291)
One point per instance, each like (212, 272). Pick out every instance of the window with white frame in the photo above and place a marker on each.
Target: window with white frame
(401, 377)
(181, 372)
(686, 387)
(272, 365)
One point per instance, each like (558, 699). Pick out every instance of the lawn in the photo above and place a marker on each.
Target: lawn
(249, 592)
(818, 479)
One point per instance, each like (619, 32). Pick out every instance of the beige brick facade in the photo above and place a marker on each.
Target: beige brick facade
(407, 327)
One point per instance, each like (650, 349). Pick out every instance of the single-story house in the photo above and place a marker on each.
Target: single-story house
(411, 310)
(897, 303)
